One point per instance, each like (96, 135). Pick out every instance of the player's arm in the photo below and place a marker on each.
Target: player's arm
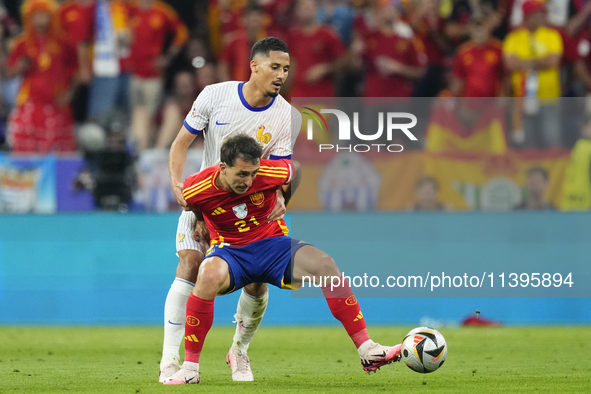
(176, 163)
(201, 232)
(195, 122)
(289, 189)
(285, 192)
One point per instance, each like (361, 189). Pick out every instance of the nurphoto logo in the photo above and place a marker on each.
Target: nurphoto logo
(393, 124)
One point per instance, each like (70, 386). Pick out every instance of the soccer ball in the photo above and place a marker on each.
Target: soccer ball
(424, 349)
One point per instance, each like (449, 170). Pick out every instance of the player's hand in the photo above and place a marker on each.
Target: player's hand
(279, 211)
(201, 234)
(178, 193)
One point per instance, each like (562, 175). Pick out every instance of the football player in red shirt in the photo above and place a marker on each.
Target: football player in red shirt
(235, 199)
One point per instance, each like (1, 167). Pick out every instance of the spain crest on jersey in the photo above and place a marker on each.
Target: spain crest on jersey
(257, 198)
(240, 211)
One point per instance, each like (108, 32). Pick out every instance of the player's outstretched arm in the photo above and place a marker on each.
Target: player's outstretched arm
(176, 163)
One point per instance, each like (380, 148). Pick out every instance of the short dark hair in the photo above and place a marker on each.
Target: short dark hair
(266, 45)
(240, 146)
(538, 170)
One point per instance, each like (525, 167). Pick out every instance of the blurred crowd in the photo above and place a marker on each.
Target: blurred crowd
(134, 67)
(121, 75)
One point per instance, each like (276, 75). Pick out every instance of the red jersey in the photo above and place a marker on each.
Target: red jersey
(434, 53)
(309, 49)
(236, 54)
(53, 64)
(76, 19)
(480, 67)
(150, 29)
(395, 47)
(239, 219)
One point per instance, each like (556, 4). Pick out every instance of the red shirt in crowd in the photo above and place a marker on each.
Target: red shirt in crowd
(53, 64)
(236, 54)
(310, 49)
(150, 29)
(395, 47)
(75, 19)
(480, 67)
(434, 53)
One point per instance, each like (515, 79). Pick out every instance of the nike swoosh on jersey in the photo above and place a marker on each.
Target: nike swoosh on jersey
(217, 122)
(175, 324)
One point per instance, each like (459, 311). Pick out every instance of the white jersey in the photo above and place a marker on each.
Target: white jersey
(221, 110)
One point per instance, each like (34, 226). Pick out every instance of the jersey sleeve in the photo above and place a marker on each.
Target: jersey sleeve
(195, 187)
(288, 133)
(198, 119)
(275, 173)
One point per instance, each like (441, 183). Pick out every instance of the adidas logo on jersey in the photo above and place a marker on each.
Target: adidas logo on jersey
(218, 211)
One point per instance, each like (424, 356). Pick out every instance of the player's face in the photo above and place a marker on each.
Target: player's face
(239, 178)
(271, 72)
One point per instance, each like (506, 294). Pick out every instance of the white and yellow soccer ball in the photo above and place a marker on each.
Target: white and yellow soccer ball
(424, 350)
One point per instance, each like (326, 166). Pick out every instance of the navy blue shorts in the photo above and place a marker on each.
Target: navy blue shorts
(266, 261)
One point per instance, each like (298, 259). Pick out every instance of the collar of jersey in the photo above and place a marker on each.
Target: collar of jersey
(248, 106)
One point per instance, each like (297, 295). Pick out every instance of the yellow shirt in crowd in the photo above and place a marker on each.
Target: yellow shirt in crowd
(526, 45)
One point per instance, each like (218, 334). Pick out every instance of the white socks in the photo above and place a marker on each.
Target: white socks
(365, 347)
(175, 310)
(249, 314)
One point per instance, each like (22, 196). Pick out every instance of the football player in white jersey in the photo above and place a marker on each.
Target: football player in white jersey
(256, 109)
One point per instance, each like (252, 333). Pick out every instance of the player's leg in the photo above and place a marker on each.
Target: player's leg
(249, 314)
(213, 278)
(190, 256)
(343, 305)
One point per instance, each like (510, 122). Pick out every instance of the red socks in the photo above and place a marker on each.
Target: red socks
(344, 308)
(197, 325)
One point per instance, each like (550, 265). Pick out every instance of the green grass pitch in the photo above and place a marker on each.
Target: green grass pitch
(303, 359)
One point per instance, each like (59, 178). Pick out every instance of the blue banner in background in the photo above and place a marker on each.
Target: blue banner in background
(100, 268)
(28, 184)
(71, 195)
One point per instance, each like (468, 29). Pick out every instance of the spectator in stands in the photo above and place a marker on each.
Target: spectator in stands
(537, 184)
(176, 108)
(583, 62)
(316, 52)
(108, 39)
(234, 60)
(576, 189)
(428, 26)
(339, 15)
(427, 195)
(152, 21)
(42, 121)
(76, 18)
(392, 60)
(477, 69)
(463, 11)
(532, 53)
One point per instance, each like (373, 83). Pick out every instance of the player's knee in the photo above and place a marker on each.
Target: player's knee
(212, 275)
(327, 266)
(256, 289)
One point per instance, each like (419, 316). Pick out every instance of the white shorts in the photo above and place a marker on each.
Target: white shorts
(184, 233)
